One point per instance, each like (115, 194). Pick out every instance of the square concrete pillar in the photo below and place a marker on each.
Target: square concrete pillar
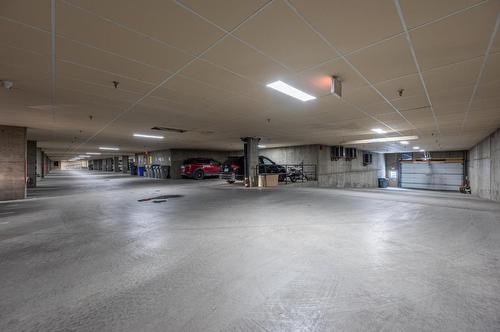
(12, 163)
(116, 164)
(125, 164)
(31, 163)
(251, 160)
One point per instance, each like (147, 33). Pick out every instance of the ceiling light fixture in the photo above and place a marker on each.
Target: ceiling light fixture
(404, 142)
(290, 91)
(416, 147)
(378, 131)
(149, 136)
(94, 153)
(260, 146)
(108, 148)
(422, 150)
(83, 156)
(382, 140)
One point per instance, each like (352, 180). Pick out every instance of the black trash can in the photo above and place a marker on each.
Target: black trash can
(383, 182)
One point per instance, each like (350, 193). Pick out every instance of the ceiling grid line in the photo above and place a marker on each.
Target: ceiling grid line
(414, 57)
(381, 41)
(295, 10)
(481, 70)
(168, 78)
(359, 109)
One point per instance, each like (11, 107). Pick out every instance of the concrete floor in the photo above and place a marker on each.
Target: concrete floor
(84, 255)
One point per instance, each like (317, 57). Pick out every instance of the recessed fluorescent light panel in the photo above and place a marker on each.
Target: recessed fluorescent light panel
(260, 146)
(404, 142)
(378, 131)
(290, 91)
(94, 153)
(416, 147)
(382, 140)
(108, 148)
(149, 136)
(83, 156)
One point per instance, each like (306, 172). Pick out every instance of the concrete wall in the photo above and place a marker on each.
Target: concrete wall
(483, 167)
(338, 173)
(307, 154)
(12, 163)
(349, 173)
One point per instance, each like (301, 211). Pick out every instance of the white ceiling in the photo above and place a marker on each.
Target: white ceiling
(203, 65)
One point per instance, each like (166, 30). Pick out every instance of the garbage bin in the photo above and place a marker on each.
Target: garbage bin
(140, 170)
(164, 172)
(383, 183)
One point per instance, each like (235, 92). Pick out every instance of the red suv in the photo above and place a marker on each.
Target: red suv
(199, 168)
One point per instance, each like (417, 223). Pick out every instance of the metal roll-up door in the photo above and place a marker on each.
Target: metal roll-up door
(432, 175)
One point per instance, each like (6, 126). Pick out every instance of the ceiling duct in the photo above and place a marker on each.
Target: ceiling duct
(175, 130)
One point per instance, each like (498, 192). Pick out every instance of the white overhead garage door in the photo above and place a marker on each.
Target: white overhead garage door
(432, 175)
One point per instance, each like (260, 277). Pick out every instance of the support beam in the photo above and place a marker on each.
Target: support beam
(116, 164)
(12, 163)
(251, 154)
(125, 168)
(31, 164)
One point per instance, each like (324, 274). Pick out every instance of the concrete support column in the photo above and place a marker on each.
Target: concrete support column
(46, 165)
(125, 164)
(12, 163)
(42, 164)
(109, 165)
(31, 163)
(251, 154)
(116, 164)
(39, 162)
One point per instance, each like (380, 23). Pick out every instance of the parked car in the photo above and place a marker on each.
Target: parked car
(200, 168)
(233, 168)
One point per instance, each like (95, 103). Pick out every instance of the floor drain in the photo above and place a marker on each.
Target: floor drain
(159, 198)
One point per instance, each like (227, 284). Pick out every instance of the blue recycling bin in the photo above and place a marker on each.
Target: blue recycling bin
(140, 170)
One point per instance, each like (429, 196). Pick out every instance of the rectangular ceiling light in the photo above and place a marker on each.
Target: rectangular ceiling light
(382, 140)
(290, 91)
(83, 156)
(108, 148)
(378, 131)
(94, 153)
(148, 136)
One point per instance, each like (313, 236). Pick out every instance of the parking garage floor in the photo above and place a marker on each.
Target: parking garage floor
(85, 253)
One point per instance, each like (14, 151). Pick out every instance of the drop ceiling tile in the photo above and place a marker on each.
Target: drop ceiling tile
(420, 118)
(453, 76)
(457, 38)
(320, 77)
(488, 90)
(491, 72)
(279, 33)
(451, 96)
(193, 88)
(410, 103)
(410, 84)
(227, 14)
(379, 108)
(165, 21)
(217, 77)
(424, 11)
(450, 108)
(363, 96)
(78, 26)
(38, 14)
(350, 25)
(75, 72)
(385, 61)
(245, 61)
(116, 67)
(23, 37)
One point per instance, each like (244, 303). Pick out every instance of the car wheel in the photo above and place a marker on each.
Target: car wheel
(198, 175)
